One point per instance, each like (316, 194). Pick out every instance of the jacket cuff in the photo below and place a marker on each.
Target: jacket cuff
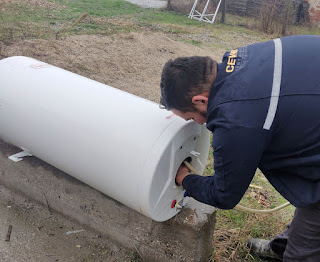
(188, 181)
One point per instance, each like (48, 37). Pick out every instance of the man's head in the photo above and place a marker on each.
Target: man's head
(185, 86)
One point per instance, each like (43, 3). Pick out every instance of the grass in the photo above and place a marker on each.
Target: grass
(23, 21)
(193, 42)
(134, 257)
(234, 227)
(101, 7)
(17, 22)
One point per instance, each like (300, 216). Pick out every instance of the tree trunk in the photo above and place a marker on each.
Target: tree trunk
(169, 7)
(224, 7)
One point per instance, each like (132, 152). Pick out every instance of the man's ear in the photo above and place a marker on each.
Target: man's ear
(201, 99)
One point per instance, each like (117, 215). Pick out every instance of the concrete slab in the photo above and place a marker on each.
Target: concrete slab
(186, 237)
(149, 3)
(38, 235)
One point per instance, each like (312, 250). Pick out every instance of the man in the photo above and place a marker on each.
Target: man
(262, 104)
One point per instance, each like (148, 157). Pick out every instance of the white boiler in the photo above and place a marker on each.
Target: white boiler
(118, 143)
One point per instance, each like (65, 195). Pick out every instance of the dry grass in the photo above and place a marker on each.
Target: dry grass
(276, 16)
(230, 244)
(234, 228)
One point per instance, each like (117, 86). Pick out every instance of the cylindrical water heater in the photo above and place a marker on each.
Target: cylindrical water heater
(120, 144)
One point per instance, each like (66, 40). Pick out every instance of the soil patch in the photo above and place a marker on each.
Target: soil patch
(131, 62)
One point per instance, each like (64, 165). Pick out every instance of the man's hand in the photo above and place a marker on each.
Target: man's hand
(182, 172)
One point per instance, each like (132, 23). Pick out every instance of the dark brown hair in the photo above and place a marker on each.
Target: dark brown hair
(184, 78)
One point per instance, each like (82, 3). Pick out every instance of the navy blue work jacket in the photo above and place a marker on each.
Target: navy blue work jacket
(264, 112)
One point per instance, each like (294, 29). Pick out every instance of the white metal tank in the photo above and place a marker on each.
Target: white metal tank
(120, 144)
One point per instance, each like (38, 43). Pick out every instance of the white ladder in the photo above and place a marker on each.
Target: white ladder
(194, 14)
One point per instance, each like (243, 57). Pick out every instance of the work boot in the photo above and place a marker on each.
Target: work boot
(262, 248)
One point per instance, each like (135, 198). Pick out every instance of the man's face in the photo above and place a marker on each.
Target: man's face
(199, 116)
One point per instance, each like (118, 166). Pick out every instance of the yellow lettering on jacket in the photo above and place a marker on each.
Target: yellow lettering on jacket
(231, 61)
(229, 69)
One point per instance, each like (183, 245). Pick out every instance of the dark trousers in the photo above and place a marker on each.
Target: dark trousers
(301, 240)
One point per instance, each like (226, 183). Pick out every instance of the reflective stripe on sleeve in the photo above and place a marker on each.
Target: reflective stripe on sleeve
(275, 85)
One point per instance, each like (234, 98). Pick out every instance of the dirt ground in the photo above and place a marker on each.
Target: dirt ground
(131, 62)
